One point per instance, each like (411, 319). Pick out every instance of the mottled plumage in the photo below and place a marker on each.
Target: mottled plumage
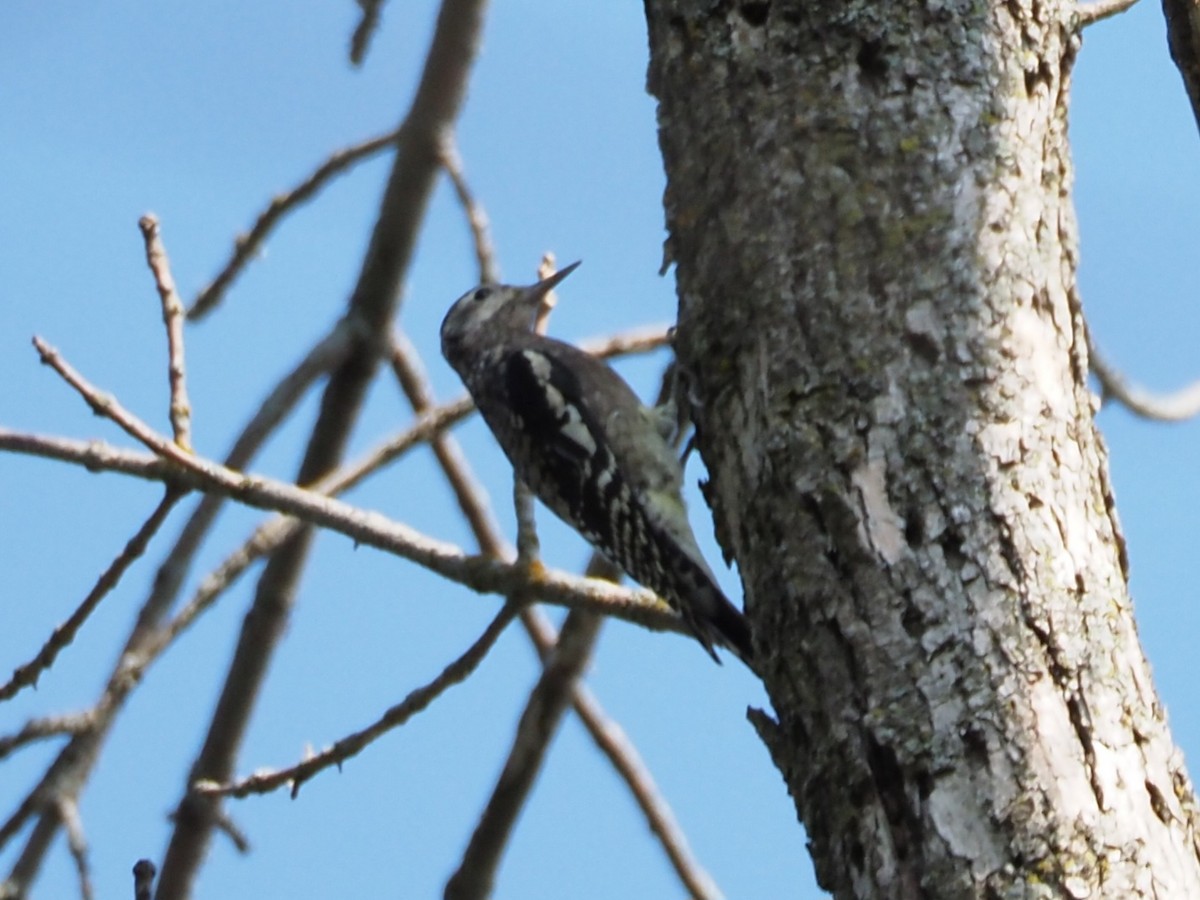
(582, 441)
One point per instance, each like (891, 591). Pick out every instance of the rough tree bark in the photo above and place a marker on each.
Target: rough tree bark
(869, 209)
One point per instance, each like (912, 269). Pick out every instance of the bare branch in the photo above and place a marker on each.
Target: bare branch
(143, 879)
(27, 674)
(107, 406)
(68, 811)
(225, 824)
(172, 311)
(95, 456)
(482, 574)
(1175, 407)
(636, 340)
(325, 355)
(468, 493)
(612, 740)
(477, 220)
(247, 245)
(538, 724)
(365, 30)
(79, 755)
(365, 527)
(1097, 10)
(234, 482)
(271, 534)
(548, 584)
(545, 269)
(351, 745)
(373, 302)
(51, 726)
(476, 873)
(14, 823)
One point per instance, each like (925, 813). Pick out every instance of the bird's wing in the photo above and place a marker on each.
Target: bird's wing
(566, 460)
(546, 396)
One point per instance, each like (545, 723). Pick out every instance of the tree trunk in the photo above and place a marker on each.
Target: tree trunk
(869, 208)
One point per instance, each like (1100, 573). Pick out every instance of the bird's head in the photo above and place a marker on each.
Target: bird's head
(484, 311)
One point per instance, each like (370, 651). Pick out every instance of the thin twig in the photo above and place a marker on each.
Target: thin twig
(1175, 407)
(1095, 11)
(107, 406)
(172, 312)
(430, 426)
(269, 535)
(365, 30)
(468, 493)
(45, 830)
(325, 355)
(28, 674)
(352, 744)
(539, 722)
(545, 269)
(68, 811)
(50, 726)
(247, 245)
(237, 836)
(68, 772)
(143, 879)
(477, 220)
(621, 752)
(482, 574)
(373, 302)
(29, 806)
(475, 875)
(93, 455)
(636, 340)
(79, 755)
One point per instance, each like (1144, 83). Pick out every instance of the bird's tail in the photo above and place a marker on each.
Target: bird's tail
(688, 585)
(734, 630)
(712, 618)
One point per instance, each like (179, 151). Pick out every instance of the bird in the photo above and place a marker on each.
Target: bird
(580, 439)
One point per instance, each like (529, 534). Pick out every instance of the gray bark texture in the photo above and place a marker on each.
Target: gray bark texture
(869, 208)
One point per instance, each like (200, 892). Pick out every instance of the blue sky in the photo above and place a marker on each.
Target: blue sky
(200, 113)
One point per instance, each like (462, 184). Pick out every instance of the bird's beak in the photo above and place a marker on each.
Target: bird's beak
(546, 285)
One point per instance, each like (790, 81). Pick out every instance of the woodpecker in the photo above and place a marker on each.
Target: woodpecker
(581, 440)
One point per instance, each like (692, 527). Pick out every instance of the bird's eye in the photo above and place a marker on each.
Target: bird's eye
(482, 294)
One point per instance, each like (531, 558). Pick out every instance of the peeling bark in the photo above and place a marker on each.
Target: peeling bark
(869, 208)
